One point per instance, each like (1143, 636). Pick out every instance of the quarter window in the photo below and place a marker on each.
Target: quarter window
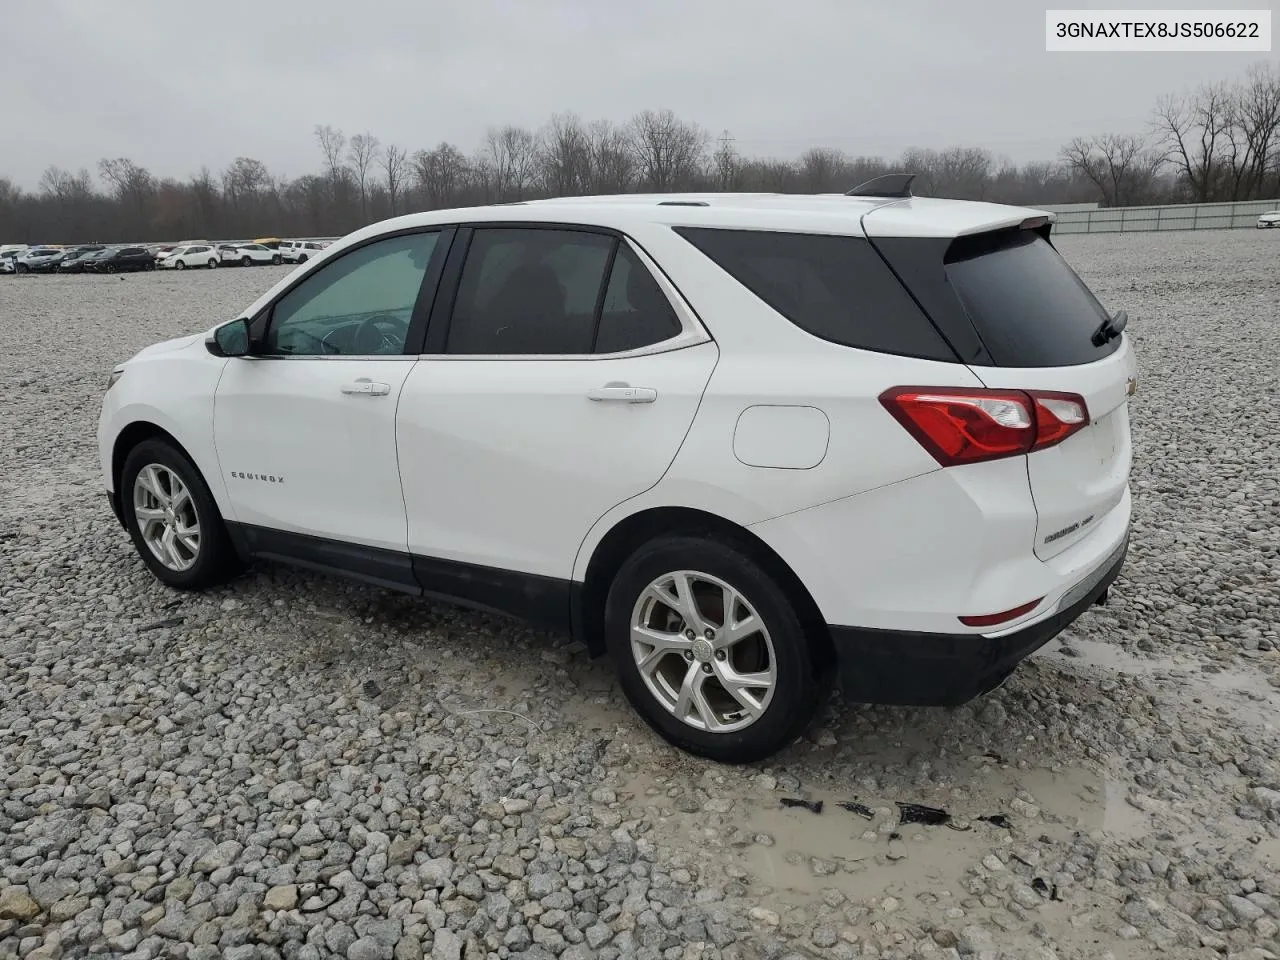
(358, 305)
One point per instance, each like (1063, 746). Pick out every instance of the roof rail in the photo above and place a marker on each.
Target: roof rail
(683, 203)
(890, 185)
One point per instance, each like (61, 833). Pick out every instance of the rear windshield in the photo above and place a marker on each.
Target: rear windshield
(1027, 304)
(836, 288)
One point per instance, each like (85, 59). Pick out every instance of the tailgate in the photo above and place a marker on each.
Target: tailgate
(1021, 318)
(1075, 483)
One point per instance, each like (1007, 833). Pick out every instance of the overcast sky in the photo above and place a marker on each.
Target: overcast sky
(175, 85)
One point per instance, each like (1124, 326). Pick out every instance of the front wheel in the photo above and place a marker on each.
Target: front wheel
(275, 260)
(172, 518)
(181, 265)
(710, 650)
(246, 262)
(213, 263)
(22, 268)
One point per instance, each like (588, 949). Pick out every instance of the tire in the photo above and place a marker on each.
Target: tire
(303, 258)
(22, 268)
(786, 707)
(246, 262)
(213, 560)
(275, 260)
(110, 268)
(213, 263)
(180, 265)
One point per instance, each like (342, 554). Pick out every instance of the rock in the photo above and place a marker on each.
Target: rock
(447, 946)
(367, 948)
(435, 873)
(283, 897)
(16, 904)
(763, 915)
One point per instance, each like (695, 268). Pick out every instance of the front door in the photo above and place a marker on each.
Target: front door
(305, 425)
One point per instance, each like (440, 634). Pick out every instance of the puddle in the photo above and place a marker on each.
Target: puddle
(869, 859)
(1245, 695)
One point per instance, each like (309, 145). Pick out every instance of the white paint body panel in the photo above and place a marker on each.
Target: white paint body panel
(335, 451)
(507, 463)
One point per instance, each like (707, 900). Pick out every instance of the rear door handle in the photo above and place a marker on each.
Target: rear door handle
(623, 393)
(367, 387)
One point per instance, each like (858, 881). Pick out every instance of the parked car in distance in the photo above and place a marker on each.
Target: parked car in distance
(7, 259)
(124, 260)
(1269, 220)
(303, 250)
(928, 482)
(12, 248)
(193, 255)
(247, 254)
(78, 257)
(38, 260)
(90, 262)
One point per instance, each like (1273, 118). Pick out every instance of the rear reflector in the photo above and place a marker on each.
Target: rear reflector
(958, 425)
(991, 619)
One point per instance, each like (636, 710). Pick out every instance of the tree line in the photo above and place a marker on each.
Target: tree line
(1219, 142)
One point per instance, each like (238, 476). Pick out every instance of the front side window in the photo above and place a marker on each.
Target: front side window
(358, 305)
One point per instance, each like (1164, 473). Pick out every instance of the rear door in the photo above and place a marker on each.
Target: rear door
(1037, 320)
(562, 383)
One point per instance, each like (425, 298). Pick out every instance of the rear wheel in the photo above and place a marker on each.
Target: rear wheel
(302, 258)
(213, 262)
(172, 518)
(275, 260)
(710, 650)
(246, 262)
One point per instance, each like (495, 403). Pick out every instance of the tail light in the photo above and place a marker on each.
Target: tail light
(992, 619)
(970, 425)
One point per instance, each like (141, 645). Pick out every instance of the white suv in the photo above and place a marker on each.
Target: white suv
(190, 255)
(300, 251)
(745, 445)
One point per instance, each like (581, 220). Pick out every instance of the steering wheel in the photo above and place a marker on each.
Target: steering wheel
(325, 346)
(383, 333)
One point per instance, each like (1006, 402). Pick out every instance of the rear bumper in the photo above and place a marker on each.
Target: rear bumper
(936, 669)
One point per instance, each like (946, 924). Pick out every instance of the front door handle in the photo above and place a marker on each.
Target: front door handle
(367, 387)
(623, 393)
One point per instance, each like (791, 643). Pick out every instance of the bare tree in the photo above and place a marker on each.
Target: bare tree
(363, 152)
(511, 154)
(822, 170)
(1192, 131)
(669, 151)
(332, 142)
(564, 156)
(1255, 118)
(395, 164)
(133, 185)
(613, 164)
(1121, 166)
(440, 174)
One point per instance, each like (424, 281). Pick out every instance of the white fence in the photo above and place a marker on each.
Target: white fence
(1183, 216)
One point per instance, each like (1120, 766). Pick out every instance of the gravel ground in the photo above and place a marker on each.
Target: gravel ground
(297, 767)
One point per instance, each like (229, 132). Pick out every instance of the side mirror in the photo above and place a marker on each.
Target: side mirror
(230, 339)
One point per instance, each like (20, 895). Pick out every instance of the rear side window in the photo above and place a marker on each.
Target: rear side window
(528, 291)
(836, 288)
(1027, 304)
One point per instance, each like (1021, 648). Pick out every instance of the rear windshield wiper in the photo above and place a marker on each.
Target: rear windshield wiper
(1110, 328)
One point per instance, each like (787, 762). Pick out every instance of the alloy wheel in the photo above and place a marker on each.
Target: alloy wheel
(167, 517)
(703, 651)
